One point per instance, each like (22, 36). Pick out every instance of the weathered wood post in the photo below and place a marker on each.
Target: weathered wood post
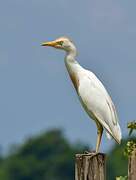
(132, 166)
(90, 166)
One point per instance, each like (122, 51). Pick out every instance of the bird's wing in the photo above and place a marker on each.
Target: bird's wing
(98, 103)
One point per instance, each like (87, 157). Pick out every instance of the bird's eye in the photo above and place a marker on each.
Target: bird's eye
(60, 43)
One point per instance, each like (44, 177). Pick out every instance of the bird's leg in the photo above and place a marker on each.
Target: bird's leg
(99, 136)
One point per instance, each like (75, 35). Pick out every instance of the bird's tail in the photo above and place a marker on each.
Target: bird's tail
(115, 133)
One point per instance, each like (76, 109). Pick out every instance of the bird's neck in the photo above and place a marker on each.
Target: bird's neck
(70, 62)
(73, 67)
(72, 53)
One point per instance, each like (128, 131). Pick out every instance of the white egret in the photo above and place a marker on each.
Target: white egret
(91, 92)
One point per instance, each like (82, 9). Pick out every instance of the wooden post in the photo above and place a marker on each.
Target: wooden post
(90, 166)
(132, 166)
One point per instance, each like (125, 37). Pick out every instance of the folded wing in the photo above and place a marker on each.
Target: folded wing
(98, 104)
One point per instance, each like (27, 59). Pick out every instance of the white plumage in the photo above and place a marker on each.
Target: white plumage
(91, 92)
(98, 103)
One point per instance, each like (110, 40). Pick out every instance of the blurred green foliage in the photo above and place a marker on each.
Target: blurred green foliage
(131, 126)
(50, 156)
(122, 178)
(131, 144)
(116, 161)
(46, 157)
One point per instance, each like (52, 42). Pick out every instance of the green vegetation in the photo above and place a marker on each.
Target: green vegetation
(121, 178)
(131, 144)
(131, 126)
(46, 157)
(50, 156)
(116, 161)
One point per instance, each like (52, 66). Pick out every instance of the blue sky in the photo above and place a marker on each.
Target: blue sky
(35, 91)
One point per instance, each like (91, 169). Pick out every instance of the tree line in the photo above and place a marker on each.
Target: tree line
(50, 156)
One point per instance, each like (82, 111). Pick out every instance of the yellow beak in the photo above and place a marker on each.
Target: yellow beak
(51, 43)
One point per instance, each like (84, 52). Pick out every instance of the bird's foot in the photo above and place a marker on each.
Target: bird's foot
(92, 153)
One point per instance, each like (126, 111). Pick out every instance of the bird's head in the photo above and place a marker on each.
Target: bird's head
(63, 43)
